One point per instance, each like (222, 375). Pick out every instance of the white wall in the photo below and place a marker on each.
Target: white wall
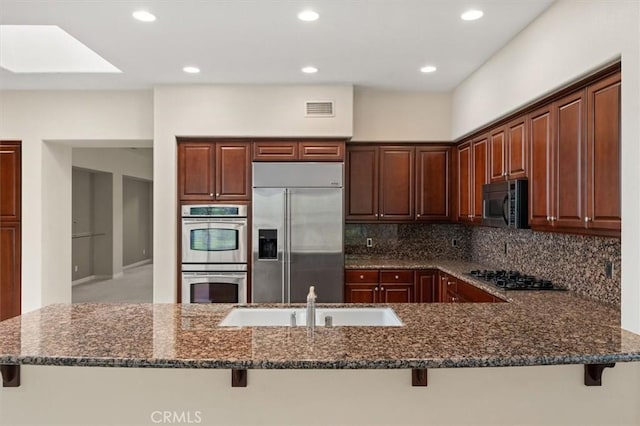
(540, 396)
(260, 111)
(568, 40)
(386, 115)
(102, 118)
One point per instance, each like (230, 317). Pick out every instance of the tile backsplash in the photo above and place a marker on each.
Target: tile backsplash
(409, 241)
(572, 261)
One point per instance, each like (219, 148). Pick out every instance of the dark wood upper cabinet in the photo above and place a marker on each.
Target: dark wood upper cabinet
(516, 152)
(10, 158)
(497, 156)
(570, 128)
(464, 201)
(362, 183)
(396, 183)
(541, 180)
(275, 151)
(480, 176)
(196, 173)
(214, 171)
(602, 167)
(233, 171)
(433, 183)
(291, 150)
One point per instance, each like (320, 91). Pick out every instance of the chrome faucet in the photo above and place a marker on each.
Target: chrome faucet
(311, 307)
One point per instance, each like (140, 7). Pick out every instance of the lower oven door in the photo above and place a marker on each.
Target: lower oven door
(214, 287)
(209, 240)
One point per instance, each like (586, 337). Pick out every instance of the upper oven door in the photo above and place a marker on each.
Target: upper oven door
(214, 240)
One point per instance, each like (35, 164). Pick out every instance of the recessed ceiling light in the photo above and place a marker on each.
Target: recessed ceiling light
(191, 70)
(428, 69)
(309, 70)
(308, 16)
(472, 15)
(144, 16)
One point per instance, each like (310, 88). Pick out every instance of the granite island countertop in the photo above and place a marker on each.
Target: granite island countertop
(533, 328)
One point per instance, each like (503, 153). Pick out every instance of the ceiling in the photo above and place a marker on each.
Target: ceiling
(375, 43)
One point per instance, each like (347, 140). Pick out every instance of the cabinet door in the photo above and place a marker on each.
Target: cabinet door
(464, 182)
(396, 183)
(468, 293)
(233, 171)
(603, 155)
(275, 151)
(10, 179)
(569, 161)
(432, 183)
(479, 155)
(516, 149)
(396, 293)
(321, 151)
(497, 147)
(426, 286)
(361, 293)
(196, 171)
(10, 296)
(362, 183)
(541, 179)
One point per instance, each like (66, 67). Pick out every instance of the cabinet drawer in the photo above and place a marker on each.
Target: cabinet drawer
(361, 276)
(322, 151)
(390, 277)
(275, 151)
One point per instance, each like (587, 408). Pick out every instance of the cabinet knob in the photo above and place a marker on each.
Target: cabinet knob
(211, 194)
(375, 289)
(362, 277)
(381, 214)
(381, 288)
(587, 219)
(376, 214)
(417, 215)
(553, 218)
(217, 194)
(548, 218)
(397, 277)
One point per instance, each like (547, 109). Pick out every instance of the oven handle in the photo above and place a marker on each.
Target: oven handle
(217, 275)
(220, 221)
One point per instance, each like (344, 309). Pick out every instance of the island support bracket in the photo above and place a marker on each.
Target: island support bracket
(419, 377)
(10, 375)
(593, 373)
(238, 378)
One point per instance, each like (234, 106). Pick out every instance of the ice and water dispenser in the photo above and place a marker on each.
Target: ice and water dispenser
(267, 244)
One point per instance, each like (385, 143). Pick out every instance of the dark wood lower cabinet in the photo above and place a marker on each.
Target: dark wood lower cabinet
(407, 286)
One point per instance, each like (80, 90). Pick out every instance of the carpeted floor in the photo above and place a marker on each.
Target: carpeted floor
(135, 286)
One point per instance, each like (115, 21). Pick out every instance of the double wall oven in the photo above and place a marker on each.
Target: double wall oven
(214, 253)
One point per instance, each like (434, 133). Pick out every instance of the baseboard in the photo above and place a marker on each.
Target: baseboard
(116, 276)
(83, 280)
(136, 264)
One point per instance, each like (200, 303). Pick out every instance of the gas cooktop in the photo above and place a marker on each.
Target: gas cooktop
(513, 280)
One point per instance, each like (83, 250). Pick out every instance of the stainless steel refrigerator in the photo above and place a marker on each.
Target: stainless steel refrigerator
(297, 232)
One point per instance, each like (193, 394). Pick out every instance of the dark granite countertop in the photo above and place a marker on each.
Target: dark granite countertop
(534, 328)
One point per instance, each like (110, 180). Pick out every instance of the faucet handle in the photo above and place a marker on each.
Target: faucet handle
(293, 319)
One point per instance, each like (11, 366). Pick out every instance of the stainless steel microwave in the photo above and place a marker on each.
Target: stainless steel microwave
(505, 204)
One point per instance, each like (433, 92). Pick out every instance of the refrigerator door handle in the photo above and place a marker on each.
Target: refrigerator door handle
(288, 245)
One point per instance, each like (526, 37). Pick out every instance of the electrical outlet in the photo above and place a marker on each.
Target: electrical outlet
(369, 242)
(454, 243)
(75, 268)
(505, 248)
(144, 251)
(608, 269)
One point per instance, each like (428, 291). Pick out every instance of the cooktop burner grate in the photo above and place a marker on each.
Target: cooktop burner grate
(513, 280)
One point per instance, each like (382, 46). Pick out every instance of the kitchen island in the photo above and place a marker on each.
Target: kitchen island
(532, 329)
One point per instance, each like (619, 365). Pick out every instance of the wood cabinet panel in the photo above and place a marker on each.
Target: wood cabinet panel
(396, 293)
(516, 149)
(497, 146)
(426, 286)
(361, 276)
(603, 155)
(10, 255)
(433, 170)
(321, 151)
(480, 153)
(569, 155)
(196, 171)
(541, 181)
(464, 182)
(10, 171)
(396, 183)
(468, 293)
(275, 151)
(396, 277)
(233, 171)
(362, 183)
(361, 293)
